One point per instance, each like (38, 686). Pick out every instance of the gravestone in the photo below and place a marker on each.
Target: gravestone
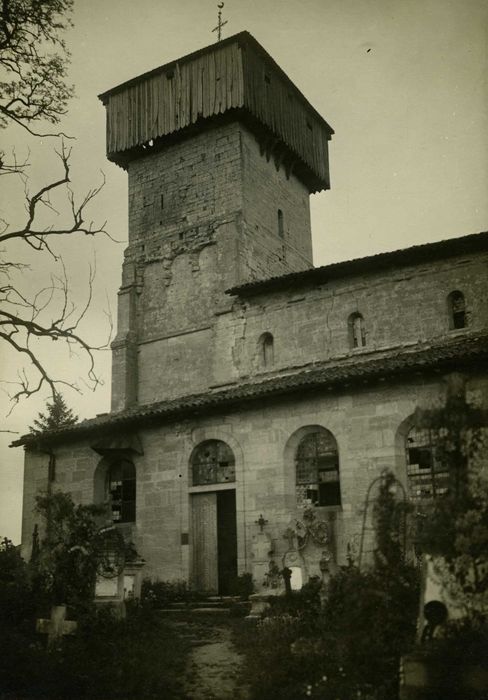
(117, 589)
(261, 551)
(57, 626)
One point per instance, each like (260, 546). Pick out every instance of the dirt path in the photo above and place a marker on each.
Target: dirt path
(214, 665)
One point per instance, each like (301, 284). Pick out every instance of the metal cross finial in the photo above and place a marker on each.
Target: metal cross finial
(261, 522)
(220, 24)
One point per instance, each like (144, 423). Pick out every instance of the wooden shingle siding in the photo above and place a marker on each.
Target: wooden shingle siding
(276, 103)
(160, 105)
(236, 74)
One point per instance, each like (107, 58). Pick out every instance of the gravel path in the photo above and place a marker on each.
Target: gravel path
(214, 664)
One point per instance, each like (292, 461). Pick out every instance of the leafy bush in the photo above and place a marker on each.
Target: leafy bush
(161, 594)
(455, 525)
(68, 558)
(464, 642)
(17, 604)
(137, 657)
(350, 647)
(304, 603)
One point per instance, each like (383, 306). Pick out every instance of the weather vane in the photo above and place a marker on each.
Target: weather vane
(220, 24)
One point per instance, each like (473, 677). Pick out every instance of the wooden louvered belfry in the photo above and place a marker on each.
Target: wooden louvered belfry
(232, 79)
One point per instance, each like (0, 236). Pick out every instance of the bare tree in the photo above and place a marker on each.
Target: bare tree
(33, 91)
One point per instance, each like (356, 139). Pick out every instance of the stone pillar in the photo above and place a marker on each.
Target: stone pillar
(124, 345)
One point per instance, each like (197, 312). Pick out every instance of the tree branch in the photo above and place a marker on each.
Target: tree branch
(37, 239)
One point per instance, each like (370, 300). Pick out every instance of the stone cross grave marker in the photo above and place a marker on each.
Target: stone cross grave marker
(57, 626)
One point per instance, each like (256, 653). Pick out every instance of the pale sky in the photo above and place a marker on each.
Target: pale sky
(402, 82)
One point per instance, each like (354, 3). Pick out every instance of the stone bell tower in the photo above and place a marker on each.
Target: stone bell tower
(222, 152)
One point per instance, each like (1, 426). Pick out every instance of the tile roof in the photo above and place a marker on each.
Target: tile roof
(418, 254)
(465, 352)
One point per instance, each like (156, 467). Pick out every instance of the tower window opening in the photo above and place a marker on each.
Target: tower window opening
(266, 349)
(457, 310)
(162, 201)
(357, 334)
(281, 224)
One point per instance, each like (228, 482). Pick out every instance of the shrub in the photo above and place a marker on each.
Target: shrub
(304, 603)
(17, 604)
(350, 647)
(161, 594)
(68, 558)
(137, 657)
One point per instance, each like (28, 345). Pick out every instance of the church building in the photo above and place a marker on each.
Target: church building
(248, 386)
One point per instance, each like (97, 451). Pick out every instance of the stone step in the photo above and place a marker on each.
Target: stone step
(215, 607)
(204, 604)
(196, 604)
(196, 611)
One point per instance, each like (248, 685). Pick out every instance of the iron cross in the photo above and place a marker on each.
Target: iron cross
(220, 24)
(261, 522)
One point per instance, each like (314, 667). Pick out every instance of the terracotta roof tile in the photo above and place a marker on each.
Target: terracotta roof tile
(474, 243)
(468, 351)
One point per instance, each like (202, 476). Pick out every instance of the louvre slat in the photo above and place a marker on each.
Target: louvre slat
(211, 84)
(199, 78)
(205, 87)
(219, 80)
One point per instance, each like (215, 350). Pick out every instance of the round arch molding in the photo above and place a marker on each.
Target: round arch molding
(206, 434)
(212, 462)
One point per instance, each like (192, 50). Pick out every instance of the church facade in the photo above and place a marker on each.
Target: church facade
(248, 385)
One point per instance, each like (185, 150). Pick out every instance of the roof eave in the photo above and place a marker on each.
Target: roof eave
(451, 247)
(362, 372)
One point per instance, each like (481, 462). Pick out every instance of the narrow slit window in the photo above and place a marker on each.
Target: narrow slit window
(457, 310)
(281, 224)
(357, 334)
(266, 349)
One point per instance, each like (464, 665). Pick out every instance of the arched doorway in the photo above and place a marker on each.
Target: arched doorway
(213, 508)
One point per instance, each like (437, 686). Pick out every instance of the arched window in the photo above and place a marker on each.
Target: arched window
(357, 335)
(427, 476)
(457, 310)
(266, 349)
(121, 487)
(317, 470)
(281, 224)
(212, 462)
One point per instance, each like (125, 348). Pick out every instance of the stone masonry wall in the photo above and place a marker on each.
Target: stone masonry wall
(203, 216)
(369, 424)
(266, 189)
(400, 308)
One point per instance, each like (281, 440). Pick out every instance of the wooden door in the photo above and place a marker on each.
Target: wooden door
(204, 538)
(226, 540)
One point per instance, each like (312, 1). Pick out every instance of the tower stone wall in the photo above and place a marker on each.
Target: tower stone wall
(205, 214)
